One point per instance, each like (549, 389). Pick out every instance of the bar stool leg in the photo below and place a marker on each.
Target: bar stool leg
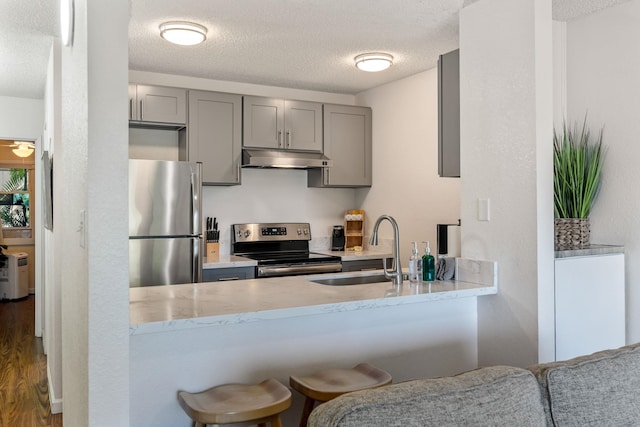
(273, 421)
(306, 411)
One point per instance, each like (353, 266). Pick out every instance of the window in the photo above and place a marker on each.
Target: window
(15, 202)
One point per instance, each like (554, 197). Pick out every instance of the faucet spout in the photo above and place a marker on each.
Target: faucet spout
(396, 273)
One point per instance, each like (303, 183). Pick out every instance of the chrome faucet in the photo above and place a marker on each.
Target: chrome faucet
(396, 274)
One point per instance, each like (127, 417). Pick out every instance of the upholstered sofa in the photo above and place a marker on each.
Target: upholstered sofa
(602, 389)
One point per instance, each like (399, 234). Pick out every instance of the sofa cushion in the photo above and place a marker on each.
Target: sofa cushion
(495, 396)
(601, 389)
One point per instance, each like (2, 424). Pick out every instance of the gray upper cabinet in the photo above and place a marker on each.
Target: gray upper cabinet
(449, 114)
(157, 104)
(214, 135)
(347, 142)
(282, 124)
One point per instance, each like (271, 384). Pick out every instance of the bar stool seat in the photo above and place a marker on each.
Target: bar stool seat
(328, 384)
(237, 404)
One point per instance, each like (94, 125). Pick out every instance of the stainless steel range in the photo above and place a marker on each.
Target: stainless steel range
(281, 249)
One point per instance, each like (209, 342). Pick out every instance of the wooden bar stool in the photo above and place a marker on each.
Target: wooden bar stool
(237, 404)
(331, 383)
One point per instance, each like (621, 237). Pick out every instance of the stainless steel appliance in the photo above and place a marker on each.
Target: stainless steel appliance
(165, 222)
(337, 238)
(281, 249)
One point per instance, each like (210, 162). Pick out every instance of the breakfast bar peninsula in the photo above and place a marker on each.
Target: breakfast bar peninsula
(194, 336)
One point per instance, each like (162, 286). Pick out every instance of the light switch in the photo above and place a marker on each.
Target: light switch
(483, 210)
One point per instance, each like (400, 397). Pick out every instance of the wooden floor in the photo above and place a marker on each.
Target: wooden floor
(24, 397)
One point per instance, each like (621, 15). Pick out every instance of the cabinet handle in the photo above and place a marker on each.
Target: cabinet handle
(288, 140)
(130, 109)
(226, 279)
(238, 172)
(141, 115)
(279, 139)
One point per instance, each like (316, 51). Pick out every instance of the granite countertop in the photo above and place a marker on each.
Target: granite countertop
(227, 261)
(157, 309)
(590, 251)
(356, 255)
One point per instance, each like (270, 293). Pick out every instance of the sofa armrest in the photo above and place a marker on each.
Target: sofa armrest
(601, 389)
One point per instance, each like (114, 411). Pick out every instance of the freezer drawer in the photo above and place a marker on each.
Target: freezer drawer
(164, 261)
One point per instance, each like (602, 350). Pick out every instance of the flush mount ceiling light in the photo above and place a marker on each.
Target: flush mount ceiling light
(183, 33)
(24, 148)
(374, 61)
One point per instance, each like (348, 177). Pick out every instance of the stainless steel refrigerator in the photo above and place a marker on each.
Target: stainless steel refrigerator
(165, 222)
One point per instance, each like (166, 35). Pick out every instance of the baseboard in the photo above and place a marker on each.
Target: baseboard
(56, 403)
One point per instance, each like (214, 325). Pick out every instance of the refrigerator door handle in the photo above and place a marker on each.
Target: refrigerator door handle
(196, 199)
(196, 268)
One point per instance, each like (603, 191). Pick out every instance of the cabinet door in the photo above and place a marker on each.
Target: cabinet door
(347, 142)
(449, 114)
(303, 126)
(161, 104)
(227, 274)
(590, 304)
(214, 135)
(263, 122)
(365, 265)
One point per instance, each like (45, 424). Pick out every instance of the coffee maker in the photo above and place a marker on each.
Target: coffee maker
(337, 238)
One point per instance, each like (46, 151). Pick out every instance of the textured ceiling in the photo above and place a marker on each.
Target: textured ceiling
(306, 44)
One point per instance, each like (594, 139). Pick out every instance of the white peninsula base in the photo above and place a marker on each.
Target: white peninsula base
(410, 336)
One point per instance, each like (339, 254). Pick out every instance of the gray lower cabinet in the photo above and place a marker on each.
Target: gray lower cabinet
(347, 142)
(226, 274)
(363, 265)
(214, 135)
(157, 104)
(282, 124)
(449, 114)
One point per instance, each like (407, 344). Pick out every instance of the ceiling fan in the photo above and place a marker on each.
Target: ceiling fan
(24, 148)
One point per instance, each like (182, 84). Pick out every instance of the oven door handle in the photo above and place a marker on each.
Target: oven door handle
(291, 270)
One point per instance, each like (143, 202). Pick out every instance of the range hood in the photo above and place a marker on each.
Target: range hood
(283, 159)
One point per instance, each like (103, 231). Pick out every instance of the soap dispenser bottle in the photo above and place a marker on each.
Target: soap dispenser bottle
(428, 265)
(414, 260)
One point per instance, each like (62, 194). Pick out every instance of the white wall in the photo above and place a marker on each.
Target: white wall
(406, 184)
(48, 248)
(603, 80)
(92, 156)
(273, 195)
(145, 77)
(506, 122)
(21, 118)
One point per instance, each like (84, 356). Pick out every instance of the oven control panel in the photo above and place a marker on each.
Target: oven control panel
(273, 231)
(270, 232)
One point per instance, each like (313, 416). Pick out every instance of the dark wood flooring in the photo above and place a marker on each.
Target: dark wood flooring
(24, 396)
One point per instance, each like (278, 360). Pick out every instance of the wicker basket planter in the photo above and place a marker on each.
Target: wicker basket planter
(571, 233)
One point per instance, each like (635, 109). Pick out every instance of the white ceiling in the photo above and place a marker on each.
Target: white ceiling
(306, 44)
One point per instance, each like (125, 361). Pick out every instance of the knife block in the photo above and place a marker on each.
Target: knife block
(213, 250)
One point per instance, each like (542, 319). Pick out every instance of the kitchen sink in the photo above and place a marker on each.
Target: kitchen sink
(353, 280)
